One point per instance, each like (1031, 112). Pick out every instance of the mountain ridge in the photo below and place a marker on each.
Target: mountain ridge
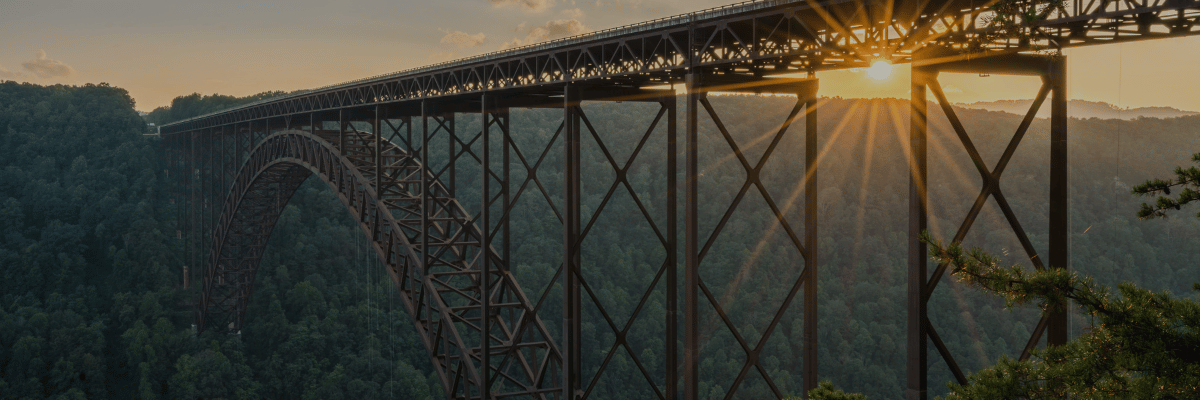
(1081, 109)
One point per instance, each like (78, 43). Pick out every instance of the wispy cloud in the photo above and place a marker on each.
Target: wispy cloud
(14, 75)
(619, 3)
(41, 67)
(46, 68)
(463, 40)
(551, 30)
(531, 5)
(573, 13)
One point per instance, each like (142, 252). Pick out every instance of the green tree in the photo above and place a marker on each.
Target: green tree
(826, 391)
(1188, 179)
(1142, 345)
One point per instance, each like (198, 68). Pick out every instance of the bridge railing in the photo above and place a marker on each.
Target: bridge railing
(665, 22)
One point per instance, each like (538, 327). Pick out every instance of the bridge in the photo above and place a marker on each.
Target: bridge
(449, 256)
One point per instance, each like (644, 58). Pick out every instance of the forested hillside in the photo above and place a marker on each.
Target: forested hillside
(195, 104)
(92, 302)
(92, 305)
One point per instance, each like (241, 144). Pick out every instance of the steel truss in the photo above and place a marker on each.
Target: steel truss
(772, 37)
(577, 291)
(502, 193)
(921, 284)
(451, 266)
(697, 247)
(429, 243)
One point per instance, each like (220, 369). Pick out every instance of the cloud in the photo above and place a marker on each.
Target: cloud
(45, 68)
(463, 40)
(619, 3)
(573, 13)
(551, 30)
(6, 75)
(531, 5)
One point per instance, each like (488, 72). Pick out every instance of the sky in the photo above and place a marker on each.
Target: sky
(160, 49)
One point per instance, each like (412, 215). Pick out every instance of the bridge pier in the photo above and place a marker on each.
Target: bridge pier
(698, 88)
(927, 65)
(572, 315)
(576, 292)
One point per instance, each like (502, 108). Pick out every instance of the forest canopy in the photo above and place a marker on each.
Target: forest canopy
(195, 104)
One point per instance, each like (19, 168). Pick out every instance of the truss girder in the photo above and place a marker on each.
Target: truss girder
(771, 37)
(432, 250)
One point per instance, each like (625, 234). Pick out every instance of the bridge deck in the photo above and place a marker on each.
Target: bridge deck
(756, 38)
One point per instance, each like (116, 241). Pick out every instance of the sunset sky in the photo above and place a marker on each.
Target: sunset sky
(162, 49)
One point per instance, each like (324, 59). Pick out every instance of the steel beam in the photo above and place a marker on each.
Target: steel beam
(921, 284)
(691, 242)
(918, 206)
(810, 363)
(485, 294)
(672, 322)
(1059, 253)
(572, 316)
(805, 90)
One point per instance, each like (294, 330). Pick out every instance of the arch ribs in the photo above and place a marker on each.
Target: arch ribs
(440, 285)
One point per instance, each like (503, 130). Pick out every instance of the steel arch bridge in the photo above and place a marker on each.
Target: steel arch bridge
(237, 168)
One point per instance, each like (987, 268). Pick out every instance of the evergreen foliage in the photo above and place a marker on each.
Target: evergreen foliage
(1141, 344)
(1188, 179)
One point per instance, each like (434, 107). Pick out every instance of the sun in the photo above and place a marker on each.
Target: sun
(880, 70)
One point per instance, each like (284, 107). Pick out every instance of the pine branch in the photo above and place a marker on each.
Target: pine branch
(1187, 179)
(1144, 344)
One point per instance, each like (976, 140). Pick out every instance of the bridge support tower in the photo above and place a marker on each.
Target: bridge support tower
(805, 90)
(927, 65)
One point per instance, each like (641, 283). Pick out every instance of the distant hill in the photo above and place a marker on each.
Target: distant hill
(1081, 109)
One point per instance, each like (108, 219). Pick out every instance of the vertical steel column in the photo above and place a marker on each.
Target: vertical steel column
(485, 306)
(219, 147)
(425, 183)
(1058, 253)
(672, 252)
(810, 245)
(918, 203)
(451, 157)
(505, 200)
(342, 132)
(241, 149)
(572, 360)
(378, 136)
(209, 188)
(224, 167)
(191, 245)
(691, 276)
(408, 132)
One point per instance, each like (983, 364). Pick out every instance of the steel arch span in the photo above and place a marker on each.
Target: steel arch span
(432, 251)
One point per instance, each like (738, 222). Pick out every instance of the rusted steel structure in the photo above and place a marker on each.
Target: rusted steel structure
(237, 168)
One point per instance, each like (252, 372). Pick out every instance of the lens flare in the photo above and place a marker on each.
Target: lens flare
(880, 70)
